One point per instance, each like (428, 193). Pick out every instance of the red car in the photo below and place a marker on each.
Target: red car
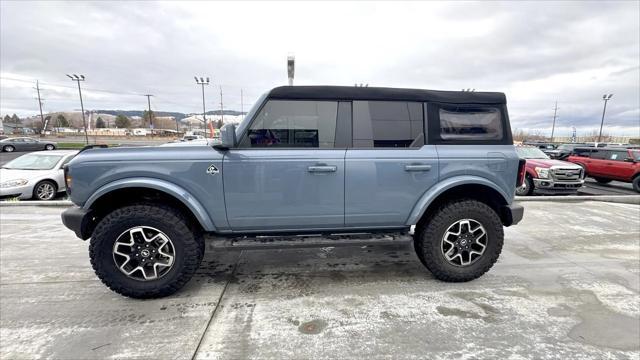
(606, 164)
(547, 176)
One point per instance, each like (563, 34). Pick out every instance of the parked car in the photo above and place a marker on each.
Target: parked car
(547, 176)
(35, 175)
(610, 163)
(545, 147)
(26, 144)
(307, 160)
(562, 151)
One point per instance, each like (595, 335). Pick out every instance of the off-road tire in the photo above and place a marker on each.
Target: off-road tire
(429, 237)
(603, 180)
(188, 244)
(636, 183)
(8, 148)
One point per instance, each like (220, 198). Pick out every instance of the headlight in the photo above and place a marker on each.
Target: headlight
(13, 183)
(543, 173)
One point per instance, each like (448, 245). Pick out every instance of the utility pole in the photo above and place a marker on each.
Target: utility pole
(44, 126)
(241, 104)
(77, 79)
(150, 116)
(221, 108)
(606, 98)
(555, 112)
(203, 82)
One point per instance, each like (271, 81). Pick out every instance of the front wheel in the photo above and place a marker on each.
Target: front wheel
(526, 188)
(45, 190)
(145, 251)
(461, 241)
(636, 183)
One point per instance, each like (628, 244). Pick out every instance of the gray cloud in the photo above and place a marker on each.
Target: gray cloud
(536, 53)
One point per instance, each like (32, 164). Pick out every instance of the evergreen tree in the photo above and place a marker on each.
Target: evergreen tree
(123, 122)
(100, 123)
(62, 121)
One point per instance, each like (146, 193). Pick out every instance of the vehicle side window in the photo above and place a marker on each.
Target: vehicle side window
(617, 155)
(293, 124)
(582, 152)
(598, 154)
(470, 123)
(388, 124)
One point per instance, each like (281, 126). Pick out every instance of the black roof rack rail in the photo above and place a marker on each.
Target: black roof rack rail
(102, 146)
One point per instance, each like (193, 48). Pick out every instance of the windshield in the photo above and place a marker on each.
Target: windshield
(530, 153)
(33, 162)
(565, 147)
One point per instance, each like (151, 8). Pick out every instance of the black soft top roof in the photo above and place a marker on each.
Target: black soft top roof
(381, 93)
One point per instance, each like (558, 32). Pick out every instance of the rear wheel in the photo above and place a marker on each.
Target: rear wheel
(636, 183)
(145, 251)
(461, 241)
(49, 147)
(603, 180)
(8, 148)
(45, 190)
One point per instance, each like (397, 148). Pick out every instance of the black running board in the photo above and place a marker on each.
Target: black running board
(306, 241)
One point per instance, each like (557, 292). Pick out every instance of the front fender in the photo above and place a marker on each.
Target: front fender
(161, 185)
(421, 206)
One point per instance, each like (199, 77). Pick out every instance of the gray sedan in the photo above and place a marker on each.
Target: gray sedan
(25, 144)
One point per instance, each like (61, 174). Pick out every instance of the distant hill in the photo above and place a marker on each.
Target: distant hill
(177, 115)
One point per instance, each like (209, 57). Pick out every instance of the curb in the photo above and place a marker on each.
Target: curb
(621, 199)
(37, 203)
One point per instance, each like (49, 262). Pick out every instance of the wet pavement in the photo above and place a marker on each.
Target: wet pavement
(566, 286)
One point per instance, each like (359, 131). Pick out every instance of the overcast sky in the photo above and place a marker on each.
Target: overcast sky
(536, 53)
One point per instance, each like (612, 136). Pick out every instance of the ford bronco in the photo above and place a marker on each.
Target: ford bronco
(325, 161)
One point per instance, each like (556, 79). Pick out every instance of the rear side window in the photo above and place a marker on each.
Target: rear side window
(617, 155)
(470, 123)
(387, 124)
(293, 124)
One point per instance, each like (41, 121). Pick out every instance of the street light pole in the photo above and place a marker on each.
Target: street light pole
(203, 82)
(555, 113)
(606, 98)
(77, 79)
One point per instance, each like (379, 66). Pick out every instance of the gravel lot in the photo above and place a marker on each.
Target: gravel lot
(566, 286)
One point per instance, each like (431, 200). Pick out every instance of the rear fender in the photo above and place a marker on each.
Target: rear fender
(427, 198)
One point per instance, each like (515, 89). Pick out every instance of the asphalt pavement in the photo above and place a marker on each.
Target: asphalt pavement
(566, 286)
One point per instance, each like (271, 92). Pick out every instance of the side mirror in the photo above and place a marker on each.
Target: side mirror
(631, 160)
(227, 137)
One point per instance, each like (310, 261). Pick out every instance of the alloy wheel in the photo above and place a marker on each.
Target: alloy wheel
(45, 191)
(464, 242)
(143, 253)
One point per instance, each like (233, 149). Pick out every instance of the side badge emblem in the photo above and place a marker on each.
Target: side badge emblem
(212, 170)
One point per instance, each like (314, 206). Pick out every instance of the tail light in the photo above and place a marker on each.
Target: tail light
(67, 179)
(521, 172)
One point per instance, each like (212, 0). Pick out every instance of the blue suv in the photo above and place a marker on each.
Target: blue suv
(307, 160)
